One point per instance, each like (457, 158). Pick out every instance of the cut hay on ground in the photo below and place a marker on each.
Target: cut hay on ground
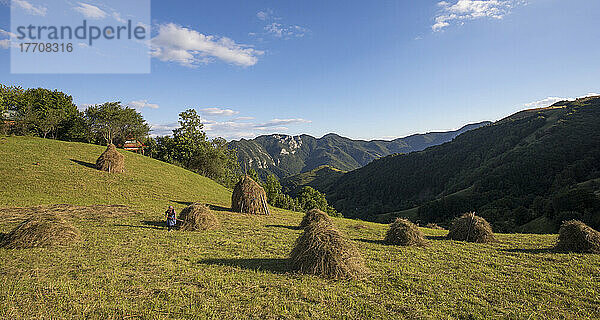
(249, 197)
(94, 212)
(197, 217)
(471, 228)
(111, 160)
(314, 215)
(576, 236)
(43, 230)
(404, 233)
(322, 250)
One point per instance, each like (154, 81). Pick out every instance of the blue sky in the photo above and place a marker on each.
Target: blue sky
(362, 69)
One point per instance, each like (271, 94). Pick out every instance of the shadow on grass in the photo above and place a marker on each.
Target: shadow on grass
(85, 164)
(142, 227)
(270, 265)
(436, 237)
(161, 223)
(282, 226)
(217, 208)
(531, 250)
(185, 203)
(374, 241)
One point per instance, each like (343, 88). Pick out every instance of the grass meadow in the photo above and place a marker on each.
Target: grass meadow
(129, 267)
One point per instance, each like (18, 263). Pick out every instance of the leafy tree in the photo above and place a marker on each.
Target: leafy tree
(11, 98)
(254, 176)
(190, 148)
(40, 111)
(112, 123)
(272, 187)
(309, 198)
(50, 123)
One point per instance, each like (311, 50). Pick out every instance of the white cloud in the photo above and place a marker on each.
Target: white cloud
(465, 10)
(89, 11)
(7, 34)
(190, 48)
(235, 129)
(141, 104)
(265, 15)
(277, 29)
(552, 100)
(29, 8)
(83, 106)
(163, 129)
(243, 118)
(5, 43)
(218, 112)
(278, 122)
(117, 16)
(544, 102)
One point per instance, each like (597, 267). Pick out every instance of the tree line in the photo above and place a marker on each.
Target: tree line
(52, 114)
(307, 199)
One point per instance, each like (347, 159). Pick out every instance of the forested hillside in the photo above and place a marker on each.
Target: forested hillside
(319, 178)
(285, 155)
(526, 172)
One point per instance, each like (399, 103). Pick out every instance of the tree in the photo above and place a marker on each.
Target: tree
(272, 188)
(114, 123)
(11, 98)
(254, 176)
(48, 110)
(190, 148)
(50, 123)
(309, 199)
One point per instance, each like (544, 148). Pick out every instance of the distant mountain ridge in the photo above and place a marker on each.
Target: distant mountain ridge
(527, 172)
(285, 155)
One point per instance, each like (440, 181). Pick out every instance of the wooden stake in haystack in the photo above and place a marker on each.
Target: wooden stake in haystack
(249, 197)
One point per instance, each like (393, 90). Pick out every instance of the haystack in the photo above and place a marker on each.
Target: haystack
(404, 233)
(314, 215)
(322, 250)
(111, 160)
(42, 230)
(576, 236)
(249, 197)
(197, 217)
(471, 228)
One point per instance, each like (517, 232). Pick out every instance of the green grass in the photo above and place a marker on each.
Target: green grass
(127, 268)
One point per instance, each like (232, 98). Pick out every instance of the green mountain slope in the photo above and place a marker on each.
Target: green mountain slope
(284, 155)
(319, 178)
(536, 163)
(128, 267)
(38, 171)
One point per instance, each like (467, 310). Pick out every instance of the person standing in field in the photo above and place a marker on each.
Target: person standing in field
(171, 218)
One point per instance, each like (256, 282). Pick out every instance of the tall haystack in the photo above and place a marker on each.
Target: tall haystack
(197, 217)
(111, 160)
(43, 230)
(322, 250)
(405, 233)
(314, 215)
(576, 236)
(249, 197)
(471, 228)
